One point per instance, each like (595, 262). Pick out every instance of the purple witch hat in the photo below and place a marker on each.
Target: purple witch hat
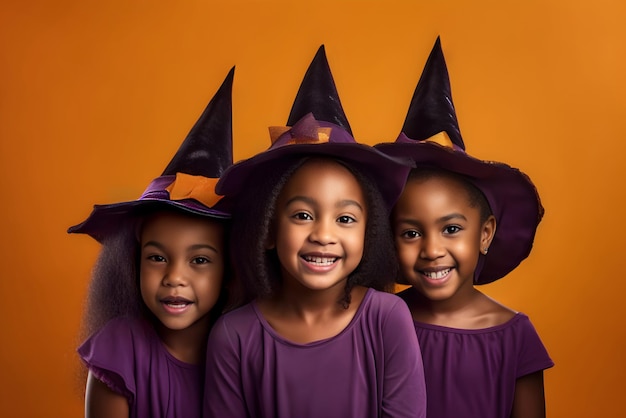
(431, 138)
(318, 126)
(188, 181)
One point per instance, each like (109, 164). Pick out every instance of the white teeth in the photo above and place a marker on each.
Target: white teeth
(436, 275)
(177, 305)
(322, 261)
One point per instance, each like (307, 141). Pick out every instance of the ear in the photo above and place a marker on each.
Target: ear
(487, 233)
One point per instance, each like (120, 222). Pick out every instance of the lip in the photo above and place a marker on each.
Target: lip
(319, 262)
(175, 304)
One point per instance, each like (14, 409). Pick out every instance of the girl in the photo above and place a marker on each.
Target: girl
(460, 222)
(309, 241)
(157, 286)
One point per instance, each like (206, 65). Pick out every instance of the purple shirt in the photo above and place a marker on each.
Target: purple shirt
(129, 357)
(471, 373)
(367, 370)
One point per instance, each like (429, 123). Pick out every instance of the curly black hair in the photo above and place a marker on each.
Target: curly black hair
(257, 267)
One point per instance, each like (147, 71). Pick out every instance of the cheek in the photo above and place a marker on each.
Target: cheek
(407, 254)
(147, 285)
(357, 242)
(148, 277)
(211, 283)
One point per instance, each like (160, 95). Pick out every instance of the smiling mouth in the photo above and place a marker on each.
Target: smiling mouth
(176, 302)
(320, 261)
(436, 275)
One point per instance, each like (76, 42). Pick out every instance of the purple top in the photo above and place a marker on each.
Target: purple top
(472, 372)
(128, 355)
(367, 370)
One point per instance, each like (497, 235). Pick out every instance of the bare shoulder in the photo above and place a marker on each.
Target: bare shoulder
(491, 313)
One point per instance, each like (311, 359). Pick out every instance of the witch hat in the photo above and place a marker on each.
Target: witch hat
(188, 181)
(431, 138)
(318, 95)
(432, 110)
(317, 125)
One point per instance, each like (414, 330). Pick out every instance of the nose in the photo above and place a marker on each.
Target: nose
(175, 275)
(323, 232)
(431, 248)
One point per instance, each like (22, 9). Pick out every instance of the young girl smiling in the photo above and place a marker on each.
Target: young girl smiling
(158, 284)
(312, 246)
(460, 222)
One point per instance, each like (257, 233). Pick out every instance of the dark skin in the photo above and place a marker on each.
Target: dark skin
(483, 312)
(189, 261)
(436, 226)
(529, 399)
(102, 402)
(188, 345)
(320, 213)
(313, 318)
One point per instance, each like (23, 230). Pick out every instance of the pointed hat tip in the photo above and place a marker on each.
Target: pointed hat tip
(207, 149)
(432, 110)
(318, 95)
(320, 56)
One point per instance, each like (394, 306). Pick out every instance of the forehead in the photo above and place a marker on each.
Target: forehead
(173, 222)
(437, 192)
(322, 174)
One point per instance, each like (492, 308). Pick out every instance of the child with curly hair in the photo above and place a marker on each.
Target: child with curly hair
(311, 243)
(159, 282)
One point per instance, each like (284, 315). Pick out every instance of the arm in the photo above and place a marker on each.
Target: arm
(529, 400)
(101, 402)
(404, 389)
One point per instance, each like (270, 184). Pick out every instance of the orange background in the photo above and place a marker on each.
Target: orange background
(95, 97)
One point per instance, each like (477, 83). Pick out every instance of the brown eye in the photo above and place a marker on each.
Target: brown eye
(156, 258)
(346, 219)
(302, 216)
(451, 229)
(200, 260)
(411, 234)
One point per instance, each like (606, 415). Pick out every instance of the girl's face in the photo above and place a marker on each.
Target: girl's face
(181, 267)
(320, 225)
(439, 236)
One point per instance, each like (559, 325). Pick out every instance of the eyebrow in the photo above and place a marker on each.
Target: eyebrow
(312, 202)
(443, 219)
(194, 247)
(451, 217)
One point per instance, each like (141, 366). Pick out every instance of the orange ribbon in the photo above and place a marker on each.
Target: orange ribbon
(306, 131)
(199, 188)
(440, 138)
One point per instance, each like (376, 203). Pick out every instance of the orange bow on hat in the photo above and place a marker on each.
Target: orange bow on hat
(200, 188)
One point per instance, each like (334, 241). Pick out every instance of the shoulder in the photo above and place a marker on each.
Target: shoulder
(383, 300)
(120, 332)
(491, 313)
(522, 326)
(112, 353)
(120, 345)
(386, 308)
(238, 323)
(532, 354)
(240, 317)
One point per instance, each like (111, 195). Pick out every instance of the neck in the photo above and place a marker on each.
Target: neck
(187, 345)
(459, 304)
(304, 301)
